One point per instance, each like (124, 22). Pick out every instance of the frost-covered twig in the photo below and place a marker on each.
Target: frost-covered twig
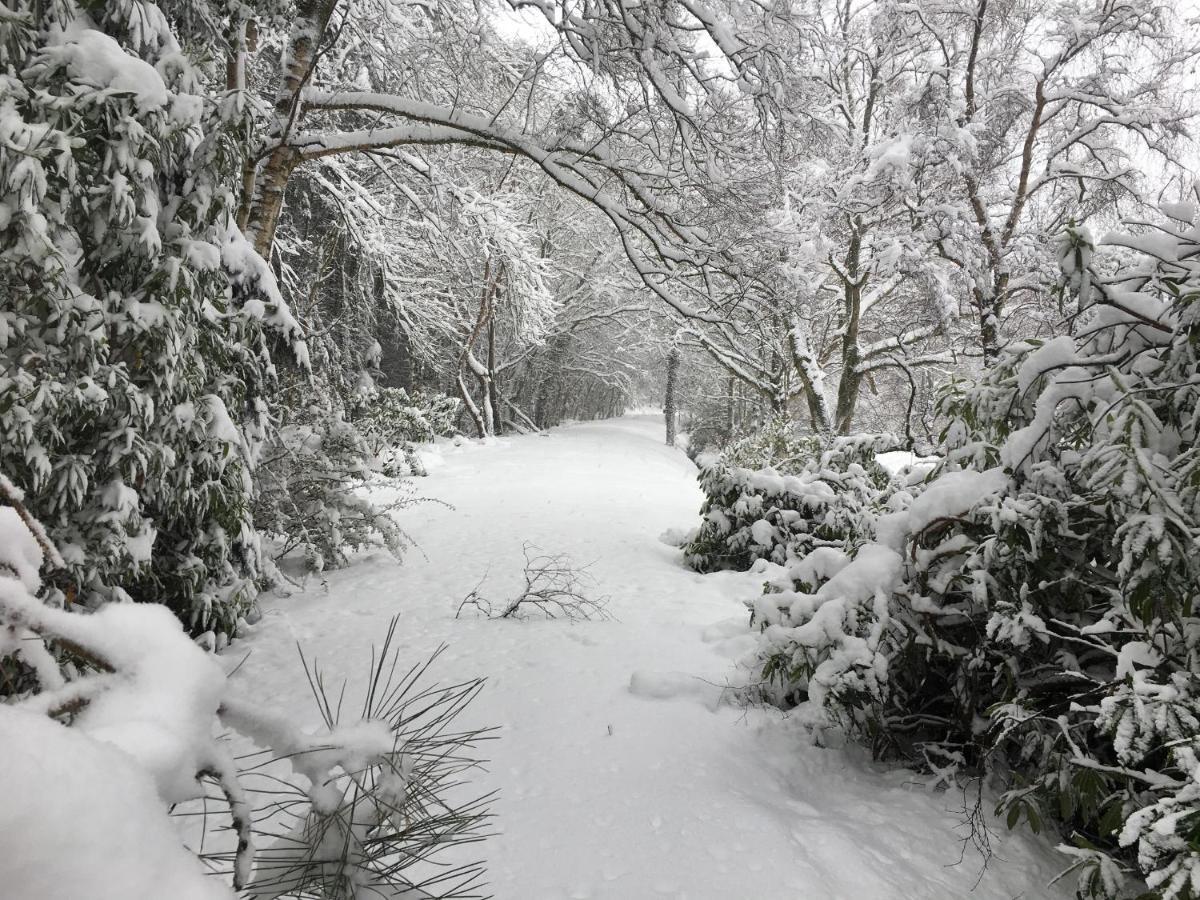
(223, 769)
(14, 497)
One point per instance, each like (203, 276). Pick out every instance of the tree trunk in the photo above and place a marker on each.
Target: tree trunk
(730, 408)
(484, 413)
(539, 410)
(670, 409)
(245, 40)
(851, 379)
(990, 310)
(470, 406)
(493, 390)
(262, 218)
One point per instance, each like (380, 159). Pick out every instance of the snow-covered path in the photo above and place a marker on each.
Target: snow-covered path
(608, 790)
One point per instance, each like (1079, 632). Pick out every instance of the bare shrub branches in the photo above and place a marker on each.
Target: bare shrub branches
(554, 587)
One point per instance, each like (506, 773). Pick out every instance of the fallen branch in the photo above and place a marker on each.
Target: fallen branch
(554, 587)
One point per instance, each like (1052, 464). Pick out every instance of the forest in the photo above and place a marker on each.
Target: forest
(729, 448)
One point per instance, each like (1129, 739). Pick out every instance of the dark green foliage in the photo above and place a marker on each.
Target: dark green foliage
(1030, 616)
(752, 512)
(392, 421)
(135, 326)
(315, 490)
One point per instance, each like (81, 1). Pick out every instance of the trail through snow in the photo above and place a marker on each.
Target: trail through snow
(620, 774)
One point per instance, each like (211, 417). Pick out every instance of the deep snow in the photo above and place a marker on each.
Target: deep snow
(621, 774)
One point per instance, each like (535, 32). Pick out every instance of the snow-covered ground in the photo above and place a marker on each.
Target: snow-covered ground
(620, 773)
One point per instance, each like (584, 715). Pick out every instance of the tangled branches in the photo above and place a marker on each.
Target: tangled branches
(554, 587)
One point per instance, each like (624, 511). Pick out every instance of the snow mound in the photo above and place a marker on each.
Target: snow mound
(80, 818)
(93, 58)
(677, 537)
(672, 685)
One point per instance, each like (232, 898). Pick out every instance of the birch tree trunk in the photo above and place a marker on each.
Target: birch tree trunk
(262, 216)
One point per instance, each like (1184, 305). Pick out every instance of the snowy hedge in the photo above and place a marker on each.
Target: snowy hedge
(392, 421)
(315, 483)
(141, 410)
(313, 490)
(1029, 612)
(754, 513)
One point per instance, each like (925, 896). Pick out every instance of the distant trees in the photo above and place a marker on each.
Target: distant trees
(1046, 118)
(827, 198)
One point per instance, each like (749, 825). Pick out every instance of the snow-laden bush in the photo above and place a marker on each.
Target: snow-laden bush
(751, 512)
(140, 406)
(135, 323)
(392, 422)
(314, 484)
(1031, 613)
(115, 723)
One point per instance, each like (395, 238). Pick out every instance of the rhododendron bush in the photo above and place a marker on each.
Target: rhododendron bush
(1026, 610)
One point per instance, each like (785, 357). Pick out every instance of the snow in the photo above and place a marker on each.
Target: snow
(953, 494)
(1137, 653)
(32, 538)
(891, 155)
(354, 746)
(1057, 353)
(624, 770)
(1180, 211)
(159, 704)
(92, 57)
(894, 461)
(96, 809)
(1071, 382)
(763, 532)
(18, 551)
(220, 424)
(670, 685)
(246, 268)
(949, 495)
(83, 810)
(819, 565)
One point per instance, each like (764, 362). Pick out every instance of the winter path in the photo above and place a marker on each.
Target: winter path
(608, 790)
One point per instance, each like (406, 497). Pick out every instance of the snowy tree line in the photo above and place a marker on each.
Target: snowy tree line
(829, 208)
